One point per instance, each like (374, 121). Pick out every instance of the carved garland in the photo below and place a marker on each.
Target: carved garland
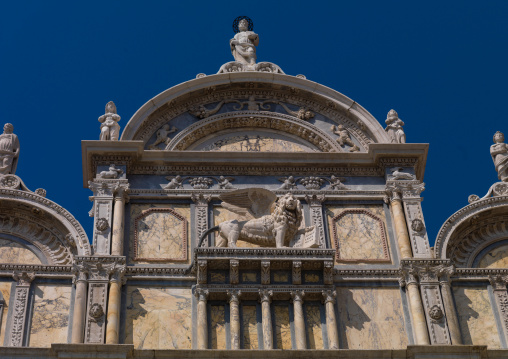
(384, 242)
(172, 212)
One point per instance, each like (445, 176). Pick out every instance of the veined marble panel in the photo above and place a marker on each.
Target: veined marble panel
(282, 327)
(5, 289)
(218, 326)
(476, 318)
(158, 318)
(250, 327)
(496, 258)
(359, 236)
(159, 234)
(371, 318)
(50, 320)
(12, 252)
(313, 327)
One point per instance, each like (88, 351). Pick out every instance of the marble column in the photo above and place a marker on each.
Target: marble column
(451, 313)
(266, 299)
(79, 315)
(400, 226)
(202, 295)
(419, 319)
(331, 322)
(234, 310)
(114, 302)
(299, 320)
(118, 221)
(498, 283)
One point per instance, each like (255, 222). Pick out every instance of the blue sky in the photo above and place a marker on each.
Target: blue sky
(441, 65)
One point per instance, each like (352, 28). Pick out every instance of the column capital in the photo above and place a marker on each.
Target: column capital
(445, 273)
(297, 295)
(121, 191)
(498, 282)
(315, 200)
(117, 274)
(265, 295)
(234, 295)
(80, 273)
(201, 199)
(329, 296)
(397, 190)
(201, 294)
(23, 278)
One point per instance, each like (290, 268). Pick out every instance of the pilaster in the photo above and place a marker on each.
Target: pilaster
(20, 308)
(201, 215)
(498, 283)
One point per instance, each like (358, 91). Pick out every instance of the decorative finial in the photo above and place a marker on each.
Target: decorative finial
(9, 150)
(110, 129)
(243, 45)
(394, 127)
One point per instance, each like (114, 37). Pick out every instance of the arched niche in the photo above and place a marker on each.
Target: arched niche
(466, 236)
(41, 226)
(493, 256)
(264, 94)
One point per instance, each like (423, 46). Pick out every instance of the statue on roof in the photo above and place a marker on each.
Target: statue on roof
(394, 127)
(499, 153)
(9, 150)
(243, 45)
(110, 129)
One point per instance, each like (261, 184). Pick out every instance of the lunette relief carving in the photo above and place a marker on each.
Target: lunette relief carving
(344, 138)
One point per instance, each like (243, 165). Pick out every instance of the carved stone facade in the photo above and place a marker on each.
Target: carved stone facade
(253, 210)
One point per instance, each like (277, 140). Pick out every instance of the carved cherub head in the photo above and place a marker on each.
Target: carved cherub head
(498, 137)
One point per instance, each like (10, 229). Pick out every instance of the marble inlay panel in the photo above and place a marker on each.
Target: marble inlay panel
(371, 318)
(282, 327)
(218, 326)
(12, 252)
(5, 289)
(158, 318)
(313, 327)
(159, 234)
(496, 258)
(476, 318)
(359, 232)
(50, 318)
(250, 327)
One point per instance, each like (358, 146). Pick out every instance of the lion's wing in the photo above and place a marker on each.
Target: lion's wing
(249, 203)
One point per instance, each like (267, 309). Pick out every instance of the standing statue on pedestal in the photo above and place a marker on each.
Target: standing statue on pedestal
(499, 153)
(110, 129)
(394, 128)
(9, 150)
(243, 45)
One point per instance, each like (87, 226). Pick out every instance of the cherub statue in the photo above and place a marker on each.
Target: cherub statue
(111, 173)
(174, 182)
(243, 45)
(287, 182)
(110, 129)
(225, 182)
(162, 136)
(344, 137)
(255, 224)
(9, 150)
(499, 153)
(394, 128)
(336, 182)
(303, 113)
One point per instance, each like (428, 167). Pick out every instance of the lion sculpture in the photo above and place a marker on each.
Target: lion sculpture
(256, 224)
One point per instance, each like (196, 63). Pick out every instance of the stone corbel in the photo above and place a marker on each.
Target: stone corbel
(296, 273)
(234, 276)
(201, 215)
(498, 283)
(20, 307)
(316, 215)
(265, 272)
(328, 272)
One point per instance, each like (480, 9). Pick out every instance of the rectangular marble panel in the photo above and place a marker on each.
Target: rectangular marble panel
(279, 276)
(50, 320)
(12, 252)
(5, 289)
(165, 241)
(371, 318)
(313, 326)
(358, 233)
(248, 277)
(282, 326)
(218, 326)
(250, 327)
(217, 277)
(311, 278)
(476, 318)
(158, 317)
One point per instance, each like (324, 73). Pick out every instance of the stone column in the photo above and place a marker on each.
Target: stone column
(450, 311)
(331, 322)
(297, 296)
(498, 283)
(266, 299)
(118, 219)
(234, 313)
(400, 223)
(416, 306)
(202, 295)
(78, 318)
(19, 311)
(114, 302)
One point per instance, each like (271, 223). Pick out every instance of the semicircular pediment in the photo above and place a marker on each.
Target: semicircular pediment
(170, 117)
(284, 130)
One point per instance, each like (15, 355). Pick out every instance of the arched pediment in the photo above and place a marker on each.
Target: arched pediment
(43, 224)
(290, 106)
(472, 229)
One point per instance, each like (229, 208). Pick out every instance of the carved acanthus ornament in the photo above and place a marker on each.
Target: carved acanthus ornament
(297, 295)
(296, 273)
(329, 296)
(234, 295)
(201, 294)
(202, 271)
(265, 295)
(234, 273)
(265, 272)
